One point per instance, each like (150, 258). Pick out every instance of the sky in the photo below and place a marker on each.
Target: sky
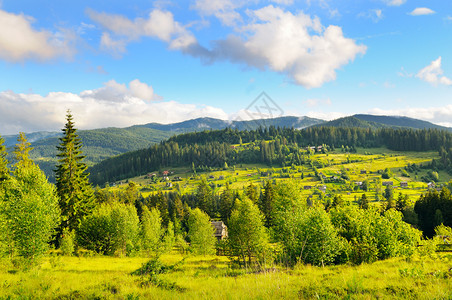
(122, 63)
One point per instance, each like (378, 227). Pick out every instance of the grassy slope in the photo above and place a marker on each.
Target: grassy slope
(372, 160)
(211, 277)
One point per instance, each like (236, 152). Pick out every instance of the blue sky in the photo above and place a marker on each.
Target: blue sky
(120, 63)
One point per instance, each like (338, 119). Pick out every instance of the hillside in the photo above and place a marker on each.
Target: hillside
(354, 122)
(216, 124)
(272, 147)
(400, 121)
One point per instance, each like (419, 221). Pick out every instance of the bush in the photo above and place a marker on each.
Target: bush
(67, 242)
(111, 228)
(30, 209)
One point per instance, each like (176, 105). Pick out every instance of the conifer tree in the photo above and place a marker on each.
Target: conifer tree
(75, 191)
(266, 204)
(21, 151)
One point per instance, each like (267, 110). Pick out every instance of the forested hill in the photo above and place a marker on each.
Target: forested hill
(272, 146)
(353, 122)
(216, 124)
(399, 121)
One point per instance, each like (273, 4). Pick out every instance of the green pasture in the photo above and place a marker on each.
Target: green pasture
(214, 277)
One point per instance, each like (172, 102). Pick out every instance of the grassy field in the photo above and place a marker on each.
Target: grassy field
(373, 161)
(213, 277)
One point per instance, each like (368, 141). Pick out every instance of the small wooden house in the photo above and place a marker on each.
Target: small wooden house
(221, 230)
(404, 184)
(386, 183)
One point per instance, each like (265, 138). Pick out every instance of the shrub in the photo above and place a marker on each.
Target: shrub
(30, 209)
(111, 228)
(67, 242)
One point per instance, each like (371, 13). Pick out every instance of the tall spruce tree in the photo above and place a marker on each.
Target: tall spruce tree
(75, 192)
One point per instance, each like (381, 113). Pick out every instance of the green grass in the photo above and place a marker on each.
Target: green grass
(212, 277)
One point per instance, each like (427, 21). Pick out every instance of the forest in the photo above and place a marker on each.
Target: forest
(271, 227)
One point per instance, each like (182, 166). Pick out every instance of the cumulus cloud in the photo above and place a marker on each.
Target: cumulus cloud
(292, 44)
(433, 74)
(296, 45)
(394, 2)
(19, 41)
(114, 104)
(421, 11)
(159, 24)
(224, 10)
(437, 115)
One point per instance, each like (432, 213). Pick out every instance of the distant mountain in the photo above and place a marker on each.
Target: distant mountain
(11, 140)
(400, 121)
(100, 144)
(201, 124)
(354, 122)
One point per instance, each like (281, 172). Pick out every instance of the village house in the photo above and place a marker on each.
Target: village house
(404, 184)
(307, 187)
(169, 184)
(221, 231)
(386, 183)
(165, 173)
(431, 185)
(322, 188)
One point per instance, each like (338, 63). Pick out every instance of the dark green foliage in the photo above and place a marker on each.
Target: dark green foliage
(204, 197)
(363, 202)
(434, 208)
(266, 204)
(226, 204)
(75, 192)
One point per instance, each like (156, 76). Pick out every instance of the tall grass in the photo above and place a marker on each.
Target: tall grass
(208, 277)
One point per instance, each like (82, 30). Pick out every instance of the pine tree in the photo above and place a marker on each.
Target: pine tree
(75, 191)
(266, 204)
(226, 203)
(21, 151)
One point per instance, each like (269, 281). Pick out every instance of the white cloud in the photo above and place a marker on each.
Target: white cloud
(421, 11)
(373, 14)
(394, 2)
(114, 104)
(317, 102)
(296, 45)
(224, 10)
(432, 74)
(160, 24)
(437, 115)
(283, 2)
(19, 41)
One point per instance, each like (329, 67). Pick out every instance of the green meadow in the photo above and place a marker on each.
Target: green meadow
(214, 277)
